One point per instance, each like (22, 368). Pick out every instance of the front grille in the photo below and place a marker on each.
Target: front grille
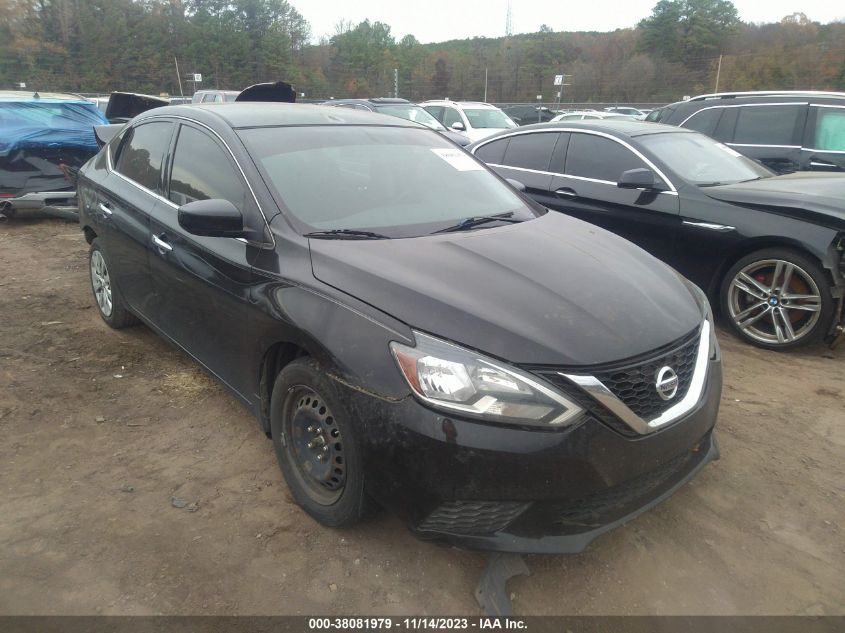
(635, 384)
(472, 517)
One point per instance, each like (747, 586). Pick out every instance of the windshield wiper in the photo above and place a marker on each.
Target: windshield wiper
(474, 221)
(347, 234)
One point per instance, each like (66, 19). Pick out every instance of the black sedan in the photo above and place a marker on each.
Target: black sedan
(768, 249)
(395, 316)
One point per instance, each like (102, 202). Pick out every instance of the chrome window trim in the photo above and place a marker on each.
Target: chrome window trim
(606, 397)
(584, 178)
(170, 117)
(762, 145)
(744, 105)
(628, 146)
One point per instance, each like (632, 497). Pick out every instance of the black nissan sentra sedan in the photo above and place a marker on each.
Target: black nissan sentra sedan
(405, 326)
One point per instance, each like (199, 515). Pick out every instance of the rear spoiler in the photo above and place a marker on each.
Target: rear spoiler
(105, 133)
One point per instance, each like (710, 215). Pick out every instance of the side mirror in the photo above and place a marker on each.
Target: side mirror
(516, 184)
(457, 125)
(212, 218)
(640, 178)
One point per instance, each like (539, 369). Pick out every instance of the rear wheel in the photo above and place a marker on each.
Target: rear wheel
(106, 290)
(777, 298)
(316, 446)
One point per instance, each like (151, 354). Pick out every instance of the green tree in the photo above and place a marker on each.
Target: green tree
(688, 30)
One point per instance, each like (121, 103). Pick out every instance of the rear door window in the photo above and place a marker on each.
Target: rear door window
(202, 170)
(531, 151)
(591, 156)
(768, 125)
(830, 130)
(142, 153)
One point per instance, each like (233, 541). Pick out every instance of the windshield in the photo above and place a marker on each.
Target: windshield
(413, 113)
(488, 118)
(701, 160)
(398, 182)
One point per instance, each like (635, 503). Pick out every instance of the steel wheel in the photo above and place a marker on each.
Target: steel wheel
(314, 444)
(774, 301)
(101, 283)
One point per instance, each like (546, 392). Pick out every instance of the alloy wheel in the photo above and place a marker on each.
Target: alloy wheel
(314, 445)
(774, 301)
(101, 283)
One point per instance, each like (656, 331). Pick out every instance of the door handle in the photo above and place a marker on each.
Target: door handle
(162, 245)
(566, 192)
(104, 207)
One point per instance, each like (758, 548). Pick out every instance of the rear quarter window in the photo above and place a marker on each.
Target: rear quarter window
(493, 152)
(531, 151)
(704, 121)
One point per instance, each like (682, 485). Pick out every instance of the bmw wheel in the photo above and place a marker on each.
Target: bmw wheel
(106, 290)
(777, 299)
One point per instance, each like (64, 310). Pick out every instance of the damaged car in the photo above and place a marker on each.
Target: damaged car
(405, 326)
(44, 139)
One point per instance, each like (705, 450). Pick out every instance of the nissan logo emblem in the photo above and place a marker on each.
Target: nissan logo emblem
(667, 383)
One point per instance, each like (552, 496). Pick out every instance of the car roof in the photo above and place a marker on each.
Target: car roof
(460, 104)
(257, 114)
(29, 95)
(615, 127)
(376, 101)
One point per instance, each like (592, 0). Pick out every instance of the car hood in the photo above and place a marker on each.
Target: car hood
(813, 195)
(551, 291)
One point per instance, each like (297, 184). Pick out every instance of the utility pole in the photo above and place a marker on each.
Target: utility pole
(485, 85)
(396, 82)
(718, 72)
(178, 77)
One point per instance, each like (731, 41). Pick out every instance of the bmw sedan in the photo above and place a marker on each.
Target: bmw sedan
(405, 326)
(769, 250)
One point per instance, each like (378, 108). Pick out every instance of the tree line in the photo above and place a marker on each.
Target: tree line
(134, 45)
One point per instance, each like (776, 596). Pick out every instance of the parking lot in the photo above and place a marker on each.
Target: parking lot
(105, 433)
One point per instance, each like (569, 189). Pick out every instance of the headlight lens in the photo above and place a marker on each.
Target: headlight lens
(456, 379)
(704, 303)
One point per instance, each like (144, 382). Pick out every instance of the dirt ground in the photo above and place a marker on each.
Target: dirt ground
(100, 429)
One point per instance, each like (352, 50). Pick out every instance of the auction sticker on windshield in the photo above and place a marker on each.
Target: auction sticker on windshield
(458, 159)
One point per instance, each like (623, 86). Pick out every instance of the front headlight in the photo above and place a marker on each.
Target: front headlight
(704, 304)
(456, 379)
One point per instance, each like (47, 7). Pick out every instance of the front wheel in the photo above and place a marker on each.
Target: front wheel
(777, 299)
(315, 445)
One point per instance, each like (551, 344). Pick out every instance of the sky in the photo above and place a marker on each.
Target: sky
(440, 20)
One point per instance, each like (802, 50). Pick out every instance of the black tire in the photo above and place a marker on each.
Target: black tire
(116, 315)
(809, 320)
(302, 394)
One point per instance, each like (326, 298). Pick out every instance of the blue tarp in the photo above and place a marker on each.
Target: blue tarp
(42, 123)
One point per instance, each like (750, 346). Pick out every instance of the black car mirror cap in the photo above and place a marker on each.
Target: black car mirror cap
(519, 186)
(212, 218)
(457, 125)
(639, 178)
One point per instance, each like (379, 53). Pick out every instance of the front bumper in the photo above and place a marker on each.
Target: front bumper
(502, 488)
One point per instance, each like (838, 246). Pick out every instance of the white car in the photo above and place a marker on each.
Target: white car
(593, 115)
(474, 119)
(634, 112)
